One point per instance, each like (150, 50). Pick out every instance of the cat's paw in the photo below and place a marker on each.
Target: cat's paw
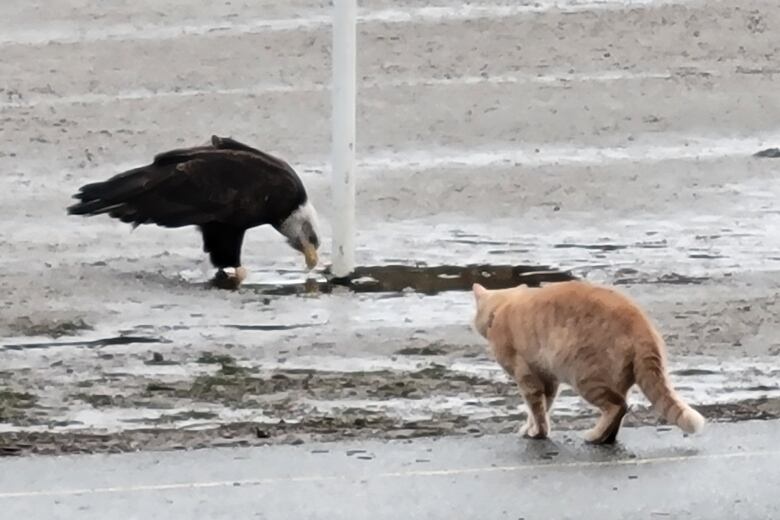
(591, 436)
(596, 436)
(533, 431)
(523, 431)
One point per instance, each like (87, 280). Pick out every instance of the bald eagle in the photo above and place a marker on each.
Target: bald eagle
(223, 188)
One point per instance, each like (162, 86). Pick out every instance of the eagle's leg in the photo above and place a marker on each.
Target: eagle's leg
(223, 243)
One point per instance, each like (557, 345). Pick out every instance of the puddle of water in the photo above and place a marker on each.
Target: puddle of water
(734, 240)
(769, 153)
(419, 279)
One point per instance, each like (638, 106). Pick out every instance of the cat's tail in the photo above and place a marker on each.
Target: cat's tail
(650, 374)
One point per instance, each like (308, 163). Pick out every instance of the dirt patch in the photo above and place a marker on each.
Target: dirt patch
(210, 358)
(426, 350)
(14, 405)
(96, 343)
(237, 386)
(98, 400)
(47, 326)
(347, 424)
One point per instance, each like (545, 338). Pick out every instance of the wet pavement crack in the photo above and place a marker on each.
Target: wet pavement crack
(273, 327)
(102, 342)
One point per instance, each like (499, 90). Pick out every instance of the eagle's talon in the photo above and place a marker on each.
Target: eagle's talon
(229, 280)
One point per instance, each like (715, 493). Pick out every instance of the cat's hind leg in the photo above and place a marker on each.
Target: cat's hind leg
(613, 407)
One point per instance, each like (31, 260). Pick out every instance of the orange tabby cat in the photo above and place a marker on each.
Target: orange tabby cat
(590, 337)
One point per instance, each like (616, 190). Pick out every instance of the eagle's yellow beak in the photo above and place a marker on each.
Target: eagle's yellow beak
(310, 253)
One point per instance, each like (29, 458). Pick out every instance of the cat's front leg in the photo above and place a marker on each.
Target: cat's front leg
(532, 388)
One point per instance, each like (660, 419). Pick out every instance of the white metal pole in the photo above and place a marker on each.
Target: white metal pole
(344, 56)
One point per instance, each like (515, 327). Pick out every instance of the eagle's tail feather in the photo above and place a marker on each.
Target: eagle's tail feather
(103, 197)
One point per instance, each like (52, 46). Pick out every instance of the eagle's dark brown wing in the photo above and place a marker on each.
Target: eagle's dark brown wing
(196, 186)
(226, 143)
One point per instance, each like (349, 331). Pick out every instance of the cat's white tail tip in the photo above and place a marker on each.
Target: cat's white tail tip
(691, 421)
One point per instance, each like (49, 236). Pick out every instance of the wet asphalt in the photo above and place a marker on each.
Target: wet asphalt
(728, 471)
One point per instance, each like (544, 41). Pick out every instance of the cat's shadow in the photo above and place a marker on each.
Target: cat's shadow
(543, 449)
(570, 448)
(573, 449)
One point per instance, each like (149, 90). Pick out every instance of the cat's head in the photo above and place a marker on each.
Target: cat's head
(489, 302)
(485, 310)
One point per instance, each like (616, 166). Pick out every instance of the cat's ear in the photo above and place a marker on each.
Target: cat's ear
(479, 291)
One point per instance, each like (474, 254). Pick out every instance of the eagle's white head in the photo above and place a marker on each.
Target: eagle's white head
(301, 230)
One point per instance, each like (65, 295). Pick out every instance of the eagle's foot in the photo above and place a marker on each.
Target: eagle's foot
(229, 278)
